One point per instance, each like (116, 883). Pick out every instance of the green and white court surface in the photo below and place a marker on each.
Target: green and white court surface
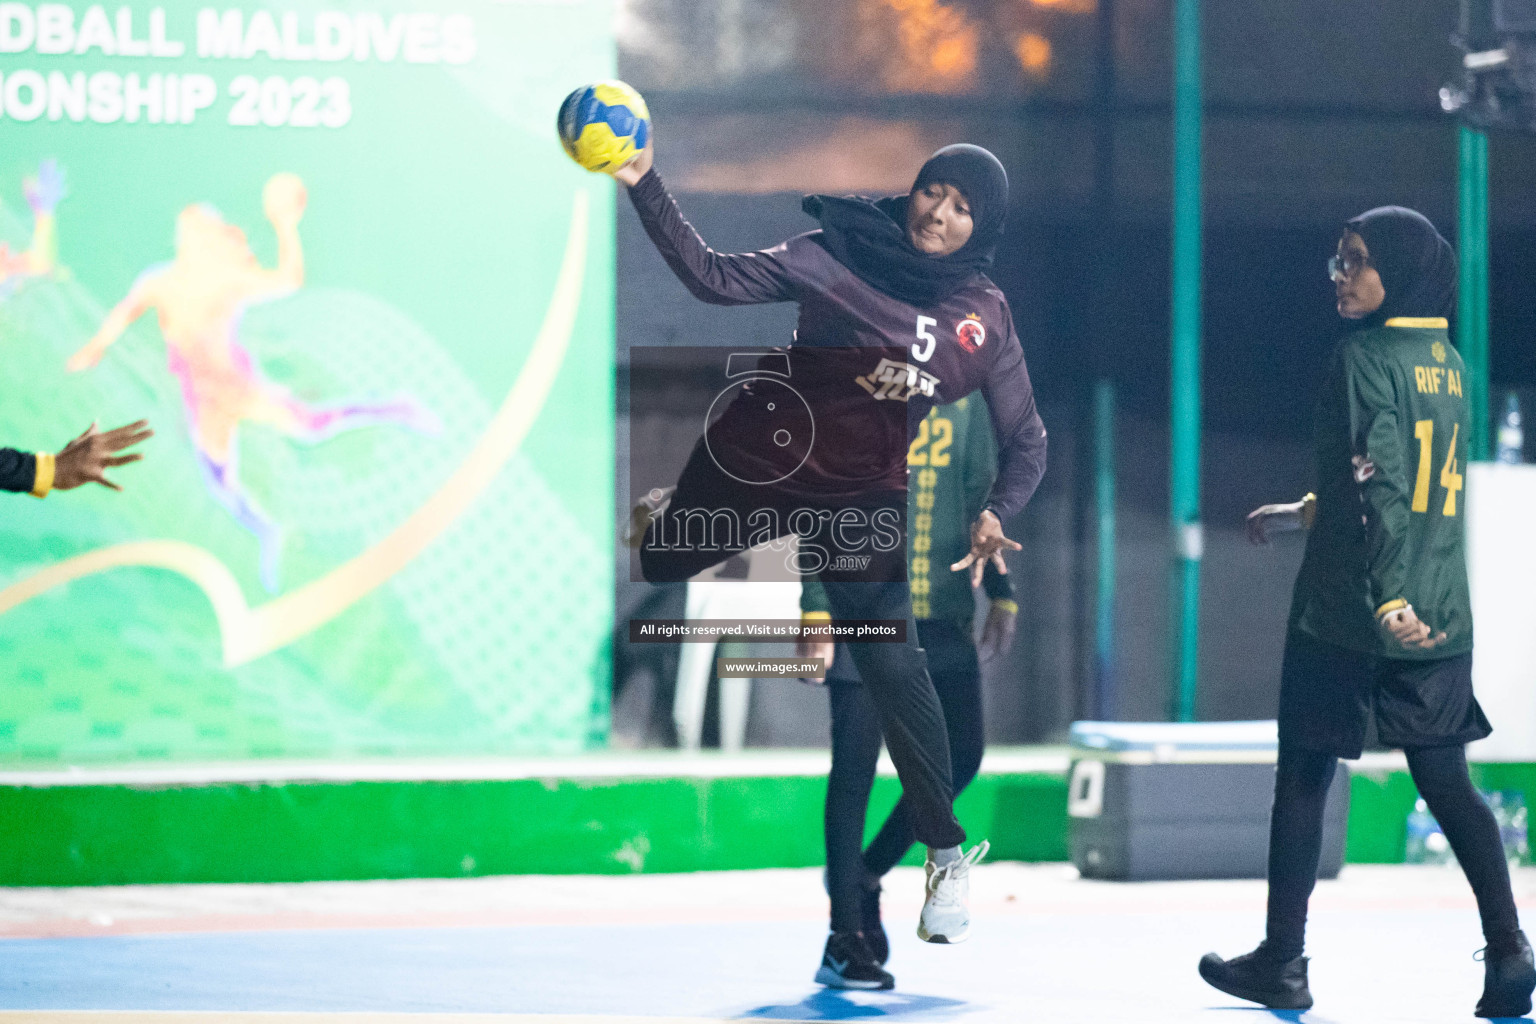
(1389, 944)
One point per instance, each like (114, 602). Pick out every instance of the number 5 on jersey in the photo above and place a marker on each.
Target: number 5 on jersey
(922, 348)
(1451, 480)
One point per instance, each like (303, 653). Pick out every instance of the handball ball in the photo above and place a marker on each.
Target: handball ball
(604, 126)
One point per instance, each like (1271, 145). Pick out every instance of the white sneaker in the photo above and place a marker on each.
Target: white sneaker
(946, 917)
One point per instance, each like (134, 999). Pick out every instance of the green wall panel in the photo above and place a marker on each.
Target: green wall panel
(99, 835)
(104, 834)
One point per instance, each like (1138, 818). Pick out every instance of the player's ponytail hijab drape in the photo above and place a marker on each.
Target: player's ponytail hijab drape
(1417, 266)
(869, 236)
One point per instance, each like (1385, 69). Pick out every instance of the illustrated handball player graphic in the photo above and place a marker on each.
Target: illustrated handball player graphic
(199, 298)
(41, 256)
(896, 315)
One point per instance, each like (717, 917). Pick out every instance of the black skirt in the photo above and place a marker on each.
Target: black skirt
(1330, 695)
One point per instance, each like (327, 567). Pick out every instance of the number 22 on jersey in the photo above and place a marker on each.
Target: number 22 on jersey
(936, 441)
(1451, 480)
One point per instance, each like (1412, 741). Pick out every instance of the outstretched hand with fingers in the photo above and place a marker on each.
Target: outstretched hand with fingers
(87, 458)
(987, 543)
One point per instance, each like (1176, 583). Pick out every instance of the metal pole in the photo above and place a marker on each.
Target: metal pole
(1105, 74)
(1472, 296)
(1184, 589)
(1104, 702)
(1104, 495)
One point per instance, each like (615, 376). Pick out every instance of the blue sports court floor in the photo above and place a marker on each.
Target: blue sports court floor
(1389, 944)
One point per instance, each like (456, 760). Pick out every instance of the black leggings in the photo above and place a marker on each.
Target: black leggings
(712, 516)
(1296, 839)
(856, 751)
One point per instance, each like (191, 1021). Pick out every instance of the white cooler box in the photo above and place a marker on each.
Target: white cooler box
(1163, 800)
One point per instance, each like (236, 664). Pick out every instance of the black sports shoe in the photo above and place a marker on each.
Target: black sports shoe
(1260, 978)
(848, 963)
(874, 931)
(1509, 977)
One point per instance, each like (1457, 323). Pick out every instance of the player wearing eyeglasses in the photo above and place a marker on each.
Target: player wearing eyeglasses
(1381, 620)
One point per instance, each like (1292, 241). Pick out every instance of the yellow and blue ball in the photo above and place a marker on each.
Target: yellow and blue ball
(604, 126)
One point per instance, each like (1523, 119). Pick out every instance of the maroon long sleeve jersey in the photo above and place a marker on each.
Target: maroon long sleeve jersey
(866, 363)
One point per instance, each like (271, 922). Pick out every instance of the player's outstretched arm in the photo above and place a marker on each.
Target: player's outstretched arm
(724, 279)
(284, 200)
(139, 299)
(1016, 425)
(1267, 520)
(87, 458)
(978, 471)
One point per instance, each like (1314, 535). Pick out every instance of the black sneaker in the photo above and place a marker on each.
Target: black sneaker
(848, 963)
(1509, 977)
(1260, 978)
(874, 931)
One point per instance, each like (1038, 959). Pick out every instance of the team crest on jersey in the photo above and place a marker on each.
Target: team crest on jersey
(899, 381)
(1438, 351)
(971, 332)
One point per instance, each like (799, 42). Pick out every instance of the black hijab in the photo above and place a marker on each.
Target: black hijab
(869, 236)
(1417, 266)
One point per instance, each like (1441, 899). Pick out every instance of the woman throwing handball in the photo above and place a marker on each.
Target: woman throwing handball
(1381, 621)
(896, 316)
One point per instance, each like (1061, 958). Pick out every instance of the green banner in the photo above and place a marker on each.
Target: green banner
(336, 256)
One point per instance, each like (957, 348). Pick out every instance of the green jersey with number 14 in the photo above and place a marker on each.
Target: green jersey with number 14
(1391, 447)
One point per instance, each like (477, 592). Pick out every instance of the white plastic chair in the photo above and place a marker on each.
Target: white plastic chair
(711, 598)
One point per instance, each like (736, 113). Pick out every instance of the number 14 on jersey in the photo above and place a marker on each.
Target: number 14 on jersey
(1450, 479)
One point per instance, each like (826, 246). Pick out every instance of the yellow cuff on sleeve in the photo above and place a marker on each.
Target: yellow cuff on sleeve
(808, 618)
(1391, 606)
(1006, 604)
(42, 478)
(1308, 511)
